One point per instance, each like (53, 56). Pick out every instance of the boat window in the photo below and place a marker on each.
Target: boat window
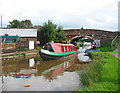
(72, 48)
(64, 49)
(69, 48)
(50, 48)
(46, 47)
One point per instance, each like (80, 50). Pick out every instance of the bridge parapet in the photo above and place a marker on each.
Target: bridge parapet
(102, 35)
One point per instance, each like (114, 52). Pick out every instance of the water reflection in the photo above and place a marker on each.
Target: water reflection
(83, 56)
(27, 68)
(58, 69)
(49, 75)
(31, 62)
(57, 75)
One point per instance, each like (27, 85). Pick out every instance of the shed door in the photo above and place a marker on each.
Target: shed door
(31, 44)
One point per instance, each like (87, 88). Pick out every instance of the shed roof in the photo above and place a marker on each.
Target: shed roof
(19, 32)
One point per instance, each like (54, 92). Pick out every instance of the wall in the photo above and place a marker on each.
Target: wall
(30, 39)
(102, 35)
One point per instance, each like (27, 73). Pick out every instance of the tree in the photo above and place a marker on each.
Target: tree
(60, 35)
(14, 24)
(49, 32)
(26, 24)
(20, 24)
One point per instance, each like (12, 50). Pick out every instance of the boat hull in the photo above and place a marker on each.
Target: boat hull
(46, 56)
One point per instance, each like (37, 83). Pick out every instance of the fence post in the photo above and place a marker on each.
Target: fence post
(28, 44)
(15, 44)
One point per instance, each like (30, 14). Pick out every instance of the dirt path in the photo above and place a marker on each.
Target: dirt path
(116, 55)
(117, 50)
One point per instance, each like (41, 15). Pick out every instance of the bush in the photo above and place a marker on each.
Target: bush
(107, 47)
(78, 46)
(93, 73)
(39, 47)
(101, 76)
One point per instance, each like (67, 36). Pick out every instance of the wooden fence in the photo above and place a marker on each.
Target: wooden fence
(14, 47)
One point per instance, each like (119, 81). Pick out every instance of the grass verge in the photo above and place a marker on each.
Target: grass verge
(102, 75)
(107, 47)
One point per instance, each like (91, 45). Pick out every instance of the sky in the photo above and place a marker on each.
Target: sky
(89, 14)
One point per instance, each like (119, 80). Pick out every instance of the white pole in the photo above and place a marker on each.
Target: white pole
(1, 21)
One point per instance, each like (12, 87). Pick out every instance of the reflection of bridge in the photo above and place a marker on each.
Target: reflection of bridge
(102, 35)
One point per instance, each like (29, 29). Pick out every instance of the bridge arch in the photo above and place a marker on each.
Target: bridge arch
(76, 38)
(102, 35)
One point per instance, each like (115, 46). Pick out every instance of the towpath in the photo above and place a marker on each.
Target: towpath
(117, 51)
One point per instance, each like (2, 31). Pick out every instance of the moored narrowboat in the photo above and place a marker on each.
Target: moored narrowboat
(53, 51)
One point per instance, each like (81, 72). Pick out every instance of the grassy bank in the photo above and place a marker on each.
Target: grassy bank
(102, 75)
(107, 47)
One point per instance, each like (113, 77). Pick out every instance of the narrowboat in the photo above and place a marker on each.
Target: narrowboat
(53, 51)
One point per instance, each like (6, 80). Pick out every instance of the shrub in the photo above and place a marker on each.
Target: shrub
(107, 47)
(93, 73)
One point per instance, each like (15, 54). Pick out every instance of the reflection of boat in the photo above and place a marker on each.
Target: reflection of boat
(54, 51)
(26, 68)
(32, 67)
(56, 70)
(45, 65)
(64, 65)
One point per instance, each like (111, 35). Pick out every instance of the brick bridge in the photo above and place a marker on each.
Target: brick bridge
(102, 35)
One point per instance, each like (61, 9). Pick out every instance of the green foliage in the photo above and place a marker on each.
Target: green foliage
(107, 47)
(108, 80)
(60, 35)
(26, 24)
(23, 54)
(20, 24)
(14, 24)
(118, 33)
(49, 32)
(38, 48)
(93, 73)
(78, 46)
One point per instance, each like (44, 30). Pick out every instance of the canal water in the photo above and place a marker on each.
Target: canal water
(57, 75)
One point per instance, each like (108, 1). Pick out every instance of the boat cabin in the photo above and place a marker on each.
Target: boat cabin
(59, 48)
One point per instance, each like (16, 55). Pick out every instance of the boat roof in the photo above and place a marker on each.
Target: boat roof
(57, 47)
(66, 44)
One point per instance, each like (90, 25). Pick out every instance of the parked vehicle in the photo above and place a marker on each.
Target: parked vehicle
(86, 43)
(93, 45)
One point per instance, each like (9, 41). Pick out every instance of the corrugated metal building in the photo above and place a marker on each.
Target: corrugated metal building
(29, 35)
(9, 39)
(20, 32)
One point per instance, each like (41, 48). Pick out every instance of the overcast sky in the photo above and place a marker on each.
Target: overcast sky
(91, 14)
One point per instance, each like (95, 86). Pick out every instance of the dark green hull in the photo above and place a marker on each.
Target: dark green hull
(47, 55)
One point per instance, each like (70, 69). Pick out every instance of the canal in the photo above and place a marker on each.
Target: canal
(57, 75)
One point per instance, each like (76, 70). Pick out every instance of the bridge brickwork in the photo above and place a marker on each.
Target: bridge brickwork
(102, 35)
